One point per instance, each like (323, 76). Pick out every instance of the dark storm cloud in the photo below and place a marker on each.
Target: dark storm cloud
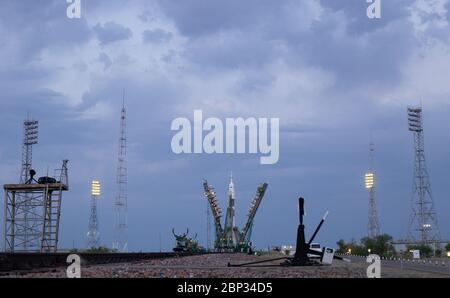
(236, 34)
(111, 32)
(374, 58)
(202, 17)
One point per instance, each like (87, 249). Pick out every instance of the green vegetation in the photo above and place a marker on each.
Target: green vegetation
(438, 252)
(447, 247)
(380, 245)
(100, 249)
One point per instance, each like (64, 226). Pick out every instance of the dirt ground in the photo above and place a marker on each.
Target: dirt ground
(215, 266)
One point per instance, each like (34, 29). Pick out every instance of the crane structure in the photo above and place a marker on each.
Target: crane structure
(229, 238)
(423, 224)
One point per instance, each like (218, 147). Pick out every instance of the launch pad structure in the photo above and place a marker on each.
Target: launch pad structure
(229, 238)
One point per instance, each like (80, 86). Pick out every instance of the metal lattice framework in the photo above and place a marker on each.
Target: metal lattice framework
(208, 227)
(210, 194)
(93, 234)
(423, 224)
(43, 210)
(25, 204)
(247, 230)
(120, 242)
(373, 226)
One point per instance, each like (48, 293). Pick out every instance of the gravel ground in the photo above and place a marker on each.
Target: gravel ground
(215, 266)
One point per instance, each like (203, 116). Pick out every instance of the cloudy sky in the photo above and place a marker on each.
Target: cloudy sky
(328, 72)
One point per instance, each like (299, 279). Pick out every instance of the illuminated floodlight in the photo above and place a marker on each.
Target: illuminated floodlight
(370, 180)
(95, 188)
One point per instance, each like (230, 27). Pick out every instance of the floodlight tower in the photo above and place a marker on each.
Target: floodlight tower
(120, 242)
(93, 234)
(373, 227)
(30, 138)
(423, 225)
(24, 202)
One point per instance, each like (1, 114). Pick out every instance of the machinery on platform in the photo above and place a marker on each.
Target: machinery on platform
(186, 244)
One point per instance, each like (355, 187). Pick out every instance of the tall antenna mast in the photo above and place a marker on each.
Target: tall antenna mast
(423, 225)
(373, 226)
(120, 241)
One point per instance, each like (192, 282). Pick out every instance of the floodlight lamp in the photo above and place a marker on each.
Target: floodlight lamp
(95, 188)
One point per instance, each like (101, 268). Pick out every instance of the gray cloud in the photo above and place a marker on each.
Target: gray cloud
(32, 26)
(156, 36)
(104, 58)
(111, 32)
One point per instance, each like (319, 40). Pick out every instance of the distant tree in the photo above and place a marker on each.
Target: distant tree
(357, 249)
(352, 246)
(370, 243)
(100, 249)
(447, 247)
(341, 246)
(380, 245)
(383, 245)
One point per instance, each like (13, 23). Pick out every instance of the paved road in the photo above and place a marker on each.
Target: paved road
(419, 265)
